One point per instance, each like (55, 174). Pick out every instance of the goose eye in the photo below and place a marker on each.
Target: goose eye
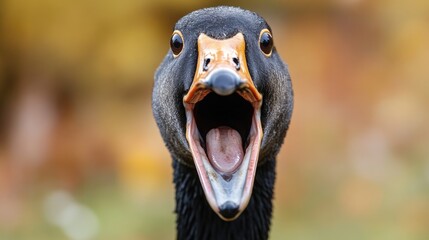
(266, 42)
(176, 43)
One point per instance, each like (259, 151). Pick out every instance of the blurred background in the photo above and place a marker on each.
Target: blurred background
(81, 157)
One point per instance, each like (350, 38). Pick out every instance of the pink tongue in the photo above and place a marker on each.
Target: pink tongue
(224, 149)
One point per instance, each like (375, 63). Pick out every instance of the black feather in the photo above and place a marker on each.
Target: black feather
(196, 220)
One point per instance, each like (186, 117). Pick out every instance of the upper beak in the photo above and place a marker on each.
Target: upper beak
(226, 163)
(227, 57)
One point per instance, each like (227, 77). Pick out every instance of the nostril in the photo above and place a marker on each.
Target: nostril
(236, 62)
(206, 64)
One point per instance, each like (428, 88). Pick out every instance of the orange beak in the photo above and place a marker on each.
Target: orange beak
(223, 124)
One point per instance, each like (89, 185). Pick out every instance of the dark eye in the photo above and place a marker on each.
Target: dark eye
(176, 43)
(266, 42)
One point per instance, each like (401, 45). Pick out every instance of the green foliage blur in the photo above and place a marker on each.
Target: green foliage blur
(81, 157)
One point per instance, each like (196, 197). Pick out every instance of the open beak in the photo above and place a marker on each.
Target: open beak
(223, 126)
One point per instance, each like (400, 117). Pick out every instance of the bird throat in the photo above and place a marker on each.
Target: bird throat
(197, 220)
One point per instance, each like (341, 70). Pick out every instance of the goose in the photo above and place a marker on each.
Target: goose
(222, 100)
